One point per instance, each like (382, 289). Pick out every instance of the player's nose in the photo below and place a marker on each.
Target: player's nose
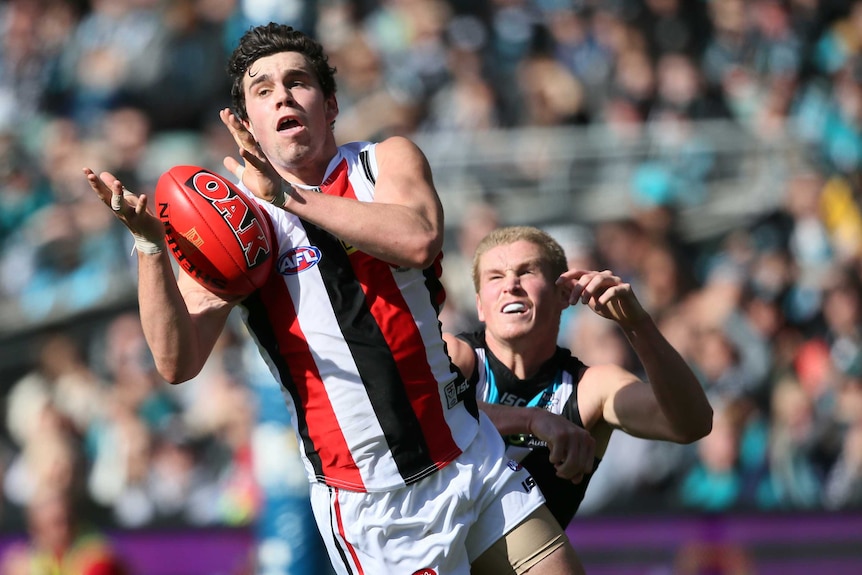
(511, 283)
(284, 96)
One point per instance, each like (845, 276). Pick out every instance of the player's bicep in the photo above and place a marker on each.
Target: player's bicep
(404, 178)
(461, 353)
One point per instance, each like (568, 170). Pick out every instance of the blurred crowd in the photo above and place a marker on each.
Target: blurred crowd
(769, 314)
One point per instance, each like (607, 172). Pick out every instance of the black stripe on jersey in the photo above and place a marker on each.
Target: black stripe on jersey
(438, 297)
(366, 166)
(260, 324)
(373, 358)
(574, 366)
(434, 285)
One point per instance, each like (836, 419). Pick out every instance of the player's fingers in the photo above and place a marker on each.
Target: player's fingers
(243, 138)
(230, 120)
(253, 157)
(142, 205)
(114, 196)
(585, 286)
(603, 281)
(247, 146)
(245, 142)
(563, 456)
(569, 287)
(593, 286)
(109, 186)
(117, 201)
(557, 454)
(97, 185)
(233, 167)
(573, 274)
(581, 454)
(101, 184)
(594, 283)
(571, 468)
(611, 293)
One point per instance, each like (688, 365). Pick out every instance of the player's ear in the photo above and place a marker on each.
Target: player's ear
(331, 107)
(249, 127)
(564, 292)
(479, 309)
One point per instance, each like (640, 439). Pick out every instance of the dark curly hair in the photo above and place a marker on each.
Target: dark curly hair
(269, 39)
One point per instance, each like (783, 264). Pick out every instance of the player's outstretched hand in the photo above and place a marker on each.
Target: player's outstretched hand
(257, 173)
(605, 293)
(572, 447)
(129, 208)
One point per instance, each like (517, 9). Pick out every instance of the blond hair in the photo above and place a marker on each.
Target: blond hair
(552, 254)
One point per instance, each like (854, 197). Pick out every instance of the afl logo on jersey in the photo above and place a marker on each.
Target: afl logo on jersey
(513, 465)
(298, 260)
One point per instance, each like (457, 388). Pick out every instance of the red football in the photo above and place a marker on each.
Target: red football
(217, 234)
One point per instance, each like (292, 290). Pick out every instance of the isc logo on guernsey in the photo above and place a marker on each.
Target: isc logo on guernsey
(298, 260)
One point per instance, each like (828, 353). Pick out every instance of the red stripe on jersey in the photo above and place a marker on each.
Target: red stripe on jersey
(337, 506)
(321, 425)
(398, 326)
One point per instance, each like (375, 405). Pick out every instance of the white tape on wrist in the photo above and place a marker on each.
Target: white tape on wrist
(148, 247)
(280, 196)
(278, 199)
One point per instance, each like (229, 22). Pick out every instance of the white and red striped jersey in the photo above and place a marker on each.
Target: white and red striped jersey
(355, 343)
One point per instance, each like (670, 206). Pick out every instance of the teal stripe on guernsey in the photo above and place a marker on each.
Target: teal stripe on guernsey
(493, 392)
(542, 399)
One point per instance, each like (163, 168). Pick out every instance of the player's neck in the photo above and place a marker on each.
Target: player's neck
(524, 357)
(311, 175)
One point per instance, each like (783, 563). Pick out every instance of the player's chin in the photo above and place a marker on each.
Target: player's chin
(522, 318)
(509, 330)
(523, 323)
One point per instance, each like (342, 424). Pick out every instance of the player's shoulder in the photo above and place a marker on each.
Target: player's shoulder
(570, 362)
(476, 339)
(398, 147)
(357, 147)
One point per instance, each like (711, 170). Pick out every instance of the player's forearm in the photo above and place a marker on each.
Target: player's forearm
(394, 233)
(677, 390)
(165, 319)
(507, 419)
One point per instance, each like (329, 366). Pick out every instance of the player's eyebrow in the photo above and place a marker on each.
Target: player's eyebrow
(529, 264)
(257, 79)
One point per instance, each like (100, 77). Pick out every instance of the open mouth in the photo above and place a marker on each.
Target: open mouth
(287, 124)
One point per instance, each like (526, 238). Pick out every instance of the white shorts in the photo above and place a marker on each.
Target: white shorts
(436, 526)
